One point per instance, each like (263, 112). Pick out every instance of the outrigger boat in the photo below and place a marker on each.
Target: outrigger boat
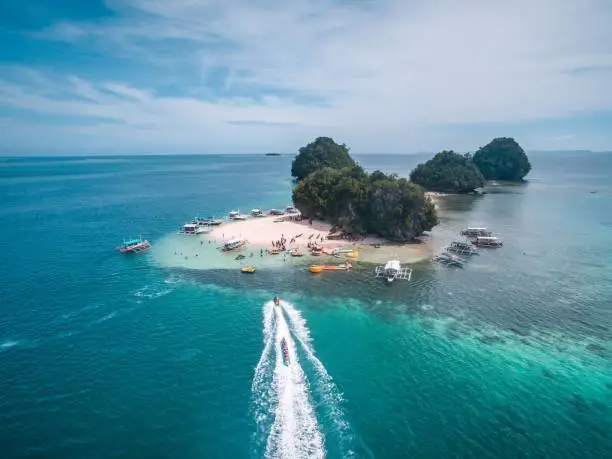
(296, 253)
(318, 268)
(193, 229)
(233, 244)
(488, 241)
(285, 352)
(462, 248)
(206, 221)
(448, 259)
(393, 270)
(257, 213)
(138, 245)
(248, 269)
(475, 232)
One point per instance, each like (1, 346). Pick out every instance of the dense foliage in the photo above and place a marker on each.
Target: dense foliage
(502, 159)
(448, 172)
(323, 152)
(360, 203)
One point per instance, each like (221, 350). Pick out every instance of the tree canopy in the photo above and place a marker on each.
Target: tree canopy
(502, 159)
(359, 203)
(448, 172)
(323, 152)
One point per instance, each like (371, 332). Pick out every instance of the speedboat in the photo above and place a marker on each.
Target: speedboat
(276, 301)
(285, 351)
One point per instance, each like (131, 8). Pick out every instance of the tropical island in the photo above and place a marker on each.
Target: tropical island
(272, 154)
(332, 187)
(450, 172)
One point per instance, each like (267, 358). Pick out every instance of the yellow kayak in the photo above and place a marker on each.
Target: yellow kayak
(248, 269)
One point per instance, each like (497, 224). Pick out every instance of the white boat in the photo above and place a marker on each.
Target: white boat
(193, 229)
(291, 210)
(393, 270)
(236, 215)
(488, 241)
(233, 244)
(257, 213)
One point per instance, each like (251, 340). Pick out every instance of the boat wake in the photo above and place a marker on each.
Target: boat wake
(283, 404)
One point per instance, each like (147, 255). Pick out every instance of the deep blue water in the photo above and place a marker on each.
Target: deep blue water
(105, 356)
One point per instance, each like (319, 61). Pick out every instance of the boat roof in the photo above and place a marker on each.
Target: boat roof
(393, 264)
(255, 210)
(189, 225)
(492, 238)
(133, 241)
(476, 229)
(234, 241)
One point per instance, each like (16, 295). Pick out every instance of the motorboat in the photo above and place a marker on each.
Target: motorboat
(488, 241)
(393, 270)
(233, 244)
(193, 229)
(257, 213)
(137, 245)
(319, 268)
(285, 351)
(248, 269)
(276, 301)
(448, 259)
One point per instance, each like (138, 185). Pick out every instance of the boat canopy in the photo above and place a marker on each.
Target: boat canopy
(393, 265)
(233, 242)
(476, 229)
(486, 238)
(190, 226)
(133, 241)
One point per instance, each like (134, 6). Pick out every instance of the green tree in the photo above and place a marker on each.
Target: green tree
(502, 159)
(448, 172)
(323, 152)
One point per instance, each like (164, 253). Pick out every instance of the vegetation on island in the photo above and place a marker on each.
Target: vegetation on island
(273, 154)
(448, 172)
(355, 201)
(323, 152)
(502, 159)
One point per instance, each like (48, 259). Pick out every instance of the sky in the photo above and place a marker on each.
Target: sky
(245, 76)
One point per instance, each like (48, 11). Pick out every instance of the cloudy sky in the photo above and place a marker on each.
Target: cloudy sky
(239, 76)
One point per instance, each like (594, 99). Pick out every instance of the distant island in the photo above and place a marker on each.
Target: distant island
(332, 187)
(450, 172)
(273, 154)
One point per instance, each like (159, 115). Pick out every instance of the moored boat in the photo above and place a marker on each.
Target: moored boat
(257, 213)
(248, 269)
(285, 351)
(193, 229)
(488, 241)
(233, 244)
(475, 232)
(319, 268)
(296, 253)
(207, 221)
(393, 270)
(462, 248)
(137, 245)
(448, 259)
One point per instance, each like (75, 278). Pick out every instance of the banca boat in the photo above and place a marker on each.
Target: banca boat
(462, 248)
(393, 270)
(233, 244)
(475, 232)
(319, 268)
(488, 241)
(193, 229)
(285, 352)
(448, 259)
(137, 245)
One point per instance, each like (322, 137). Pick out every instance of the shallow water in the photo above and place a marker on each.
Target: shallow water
(107, 356)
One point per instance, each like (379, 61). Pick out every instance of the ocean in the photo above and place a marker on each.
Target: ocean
(110, 356)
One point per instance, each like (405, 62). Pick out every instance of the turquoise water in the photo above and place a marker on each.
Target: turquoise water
(109, 356)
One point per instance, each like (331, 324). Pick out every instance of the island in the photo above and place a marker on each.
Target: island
(333, 188)
(502, 159)
(448, 172)
(272, 154)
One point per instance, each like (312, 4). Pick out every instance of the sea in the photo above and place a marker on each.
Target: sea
(110, 356)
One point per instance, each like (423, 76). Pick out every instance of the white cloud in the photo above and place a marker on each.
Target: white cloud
(386, 74)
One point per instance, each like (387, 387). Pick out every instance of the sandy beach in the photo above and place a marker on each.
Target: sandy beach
(263, 231)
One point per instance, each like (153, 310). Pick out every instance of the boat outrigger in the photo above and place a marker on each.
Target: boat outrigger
(137, 245)
(393, 270)
(285, 352)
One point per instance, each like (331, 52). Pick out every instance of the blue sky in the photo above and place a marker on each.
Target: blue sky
(240, 76)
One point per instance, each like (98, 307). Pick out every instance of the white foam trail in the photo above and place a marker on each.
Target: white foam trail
(295, 432)
(328, 390)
